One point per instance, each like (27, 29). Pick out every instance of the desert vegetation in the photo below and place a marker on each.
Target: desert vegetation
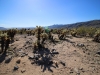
(40, 42)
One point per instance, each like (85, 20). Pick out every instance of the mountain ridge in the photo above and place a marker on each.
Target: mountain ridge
(91, 23)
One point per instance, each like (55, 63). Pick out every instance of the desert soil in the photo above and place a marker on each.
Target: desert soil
(79, 55)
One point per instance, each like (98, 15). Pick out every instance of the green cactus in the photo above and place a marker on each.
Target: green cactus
(7, 42)
(44, 36)
(97, 36)
(2, 43)
(11, 33)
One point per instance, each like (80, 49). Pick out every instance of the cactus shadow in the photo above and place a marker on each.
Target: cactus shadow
(2, 57)
(46, 60)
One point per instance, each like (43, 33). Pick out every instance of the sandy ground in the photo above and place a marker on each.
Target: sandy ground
(79, 60)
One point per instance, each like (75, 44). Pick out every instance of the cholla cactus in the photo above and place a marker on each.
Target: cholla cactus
(11, 33)
(22, 31)
(5, 41)
(3, 35)
(0, 32)
(50, 35)
(73, 33)
(97, 36)
(33, 32)
(35, 47)
(62, 34)
(38, 30)
(44, 36)
(29, 32)
(2, 42)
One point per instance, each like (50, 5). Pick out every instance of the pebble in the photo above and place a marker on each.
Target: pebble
(16, 67)
(98, 52)
(23, 70)
(23, 54)
(18, 60)
(77, 71)
(80, 45)
(8, 59)
(30, 56)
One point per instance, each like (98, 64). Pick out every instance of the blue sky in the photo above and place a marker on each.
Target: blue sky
(29, 13)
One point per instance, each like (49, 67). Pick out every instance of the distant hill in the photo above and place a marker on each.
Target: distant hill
(25, 27)
(2, 28)
(92, 23)
(21, 27)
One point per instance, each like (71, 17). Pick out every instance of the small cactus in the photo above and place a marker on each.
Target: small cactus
(73, 33)
(97, 37)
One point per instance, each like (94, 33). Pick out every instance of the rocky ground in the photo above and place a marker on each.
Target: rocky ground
(81, 56)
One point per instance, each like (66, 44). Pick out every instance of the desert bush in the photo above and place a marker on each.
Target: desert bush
(0, 32)
(62, 34)
(97, 36)
(91, 31)
(54, 31)
(73, 33)
(81, 31)
(84, 31)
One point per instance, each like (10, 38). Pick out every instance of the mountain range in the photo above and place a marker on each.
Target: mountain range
(92, 23)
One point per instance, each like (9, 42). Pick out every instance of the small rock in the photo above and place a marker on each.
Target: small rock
(23, 54)
(14, 48)
(80, 68)
(80, 45)
(83, 51)
(77, 71)
(17, 40)
(30, 56)
(24, 36)
(26, 53)
(37, 55)
(74, 50)
(18, 60)
(98, 52)
(55, 52)
(24, 45)
(71, 71)
(8, 59)
(23, 70)
(16, 67)
(21, 51)
(27, 42)
(88, 53)
(32, 62)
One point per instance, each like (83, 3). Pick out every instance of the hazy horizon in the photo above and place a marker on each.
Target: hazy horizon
(30, 13)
